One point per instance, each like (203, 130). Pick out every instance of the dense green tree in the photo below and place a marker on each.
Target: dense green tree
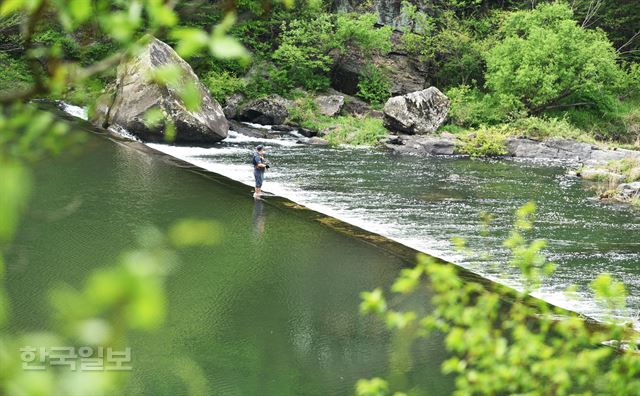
(545, 60)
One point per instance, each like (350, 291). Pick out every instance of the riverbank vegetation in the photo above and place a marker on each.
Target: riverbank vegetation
(503, 341)
(573, 65)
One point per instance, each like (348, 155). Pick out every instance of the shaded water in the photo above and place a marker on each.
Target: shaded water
(424, 202)
(272, 310)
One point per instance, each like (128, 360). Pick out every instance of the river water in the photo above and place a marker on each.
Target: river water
(270, 310)
(423, 202)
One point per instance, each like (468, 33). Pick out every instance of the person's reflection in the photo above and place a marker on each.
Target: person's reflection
(259, 219)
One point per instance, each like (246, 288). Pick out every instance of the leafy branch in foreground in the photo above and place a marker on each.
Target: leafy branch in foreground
(504, 341)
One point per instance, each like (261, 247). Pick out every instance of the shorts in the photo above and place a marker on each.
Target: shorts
(259, 175)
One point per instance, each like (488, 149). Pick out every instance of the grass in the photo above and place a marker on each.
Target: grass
(612, 174)
(352, 130)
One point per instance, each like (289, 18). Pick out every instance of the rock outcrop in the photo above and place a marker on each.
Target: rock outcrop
(134, 93)
(419, 112)
(406, 73)
(271, 110)
(329, 105)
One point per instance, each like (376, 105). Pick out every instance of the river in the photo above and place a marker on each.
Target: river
(425, 202)
(271, 310)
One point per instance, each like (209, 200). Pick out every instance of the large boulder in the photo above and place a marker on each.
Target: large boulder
(419, 112)
(329, 105)
(406, 74)
(272, 110)
(134, 93)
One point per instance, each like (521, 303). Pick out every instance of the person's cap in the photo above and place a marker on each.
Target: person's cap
(259, 147)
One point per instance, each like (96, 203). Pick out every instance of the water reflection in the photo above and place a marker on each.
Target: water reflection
(259, 219)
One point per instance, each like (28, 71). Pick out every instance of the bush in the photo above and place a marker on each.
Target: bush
(484, 142)
(15, 73)
(374, 86)
(305, 44)
(472, 108)
(354, 130)
(545, 60)
(223, 84)
(543, 128)
(357, 131)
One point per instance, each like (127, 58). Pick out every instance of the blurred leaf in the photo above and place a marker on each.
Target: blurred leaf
(226, 47)
(190, 41)
(15, 187)
(81, 10)
(195, 232)
(191, 96)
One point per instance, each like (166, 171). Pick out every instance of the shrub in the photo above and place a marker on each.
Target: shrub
(358, 30)
(15, 72)
(357, 131)
(374, 86)
(484, 142)
(545, 59)
(223, 84)
(543, 128)
(472, 108)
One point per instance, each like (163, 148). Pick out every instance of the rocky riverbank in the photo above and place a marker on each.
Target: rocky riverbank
(552, 149)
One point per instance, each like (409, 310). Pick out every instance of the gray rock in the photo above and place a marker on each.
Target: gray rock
(599, 156)
(350, 67)
(419, 112)
(394, 139)
(628, 191)
(423, 145)
(355, 106)
(126, 102)
(555, 149)
(231, 106)
(266, 111)
(329, 105)
(316, 141)
(307, 132)
(283, 128)
(247, 130)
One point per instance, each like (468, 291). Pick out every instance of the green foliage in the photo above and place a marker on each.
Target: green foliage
(221, 85)
(15, 73)
(484, 142)
(504, 341)
(359, 31)
(352, 130)
(374, 86)
(544, 60)
(306, 45)
(471, 108)
(303, 52)
(537, 128)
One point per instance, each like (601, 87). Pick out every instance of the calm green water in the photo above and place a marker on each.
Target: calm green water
(273, 310)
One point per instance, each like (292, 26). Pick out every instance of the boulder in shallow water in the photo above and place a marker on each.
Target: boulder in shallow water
(271, 110)
(419, 112)
(628, 191)
(126, 101)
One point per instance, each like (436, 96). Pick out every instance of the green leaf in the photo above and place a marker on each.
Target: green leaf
(195, 232)
(227, 47)
(191, 96)
(190, 41)
(81, 10)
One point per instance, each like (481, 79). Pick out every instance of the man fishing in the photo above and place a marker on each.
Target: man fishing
(259, 166)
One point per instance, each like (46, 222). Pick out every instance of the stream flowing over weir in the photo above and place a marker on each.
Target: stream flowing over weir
(423, 202)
